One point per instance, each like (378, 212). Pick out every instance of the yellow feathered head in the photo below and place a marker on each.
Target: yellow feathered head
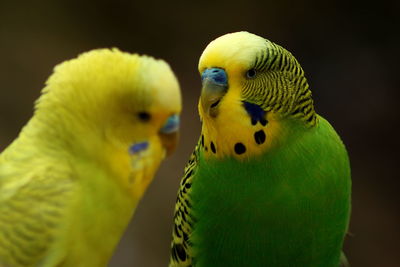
(113, 107)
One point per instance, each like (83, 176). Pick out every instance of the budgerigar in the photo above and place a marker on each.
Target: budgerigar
(269, 181)
(70, 182)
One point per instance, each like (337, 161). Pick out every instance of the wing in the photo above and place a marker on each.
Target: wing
(32, 205)
(181, 250)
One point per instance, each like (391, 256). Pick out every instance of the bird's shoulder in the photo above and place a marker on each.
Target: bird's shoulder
(181, 250)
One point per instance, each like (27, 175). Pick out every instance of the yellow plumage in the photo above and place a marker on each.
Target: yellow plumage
(70, 182)
(234, 53)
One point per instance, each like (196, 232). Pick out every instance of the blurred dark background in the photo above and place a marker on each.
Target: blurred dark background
(349, 51)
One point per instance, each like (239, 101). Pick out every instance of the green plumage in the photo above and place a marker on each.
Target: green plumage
(270, 207)
(286, 206)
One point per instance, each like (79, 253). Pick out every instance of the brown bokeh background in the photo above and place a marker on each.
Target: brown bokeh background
(348, 50)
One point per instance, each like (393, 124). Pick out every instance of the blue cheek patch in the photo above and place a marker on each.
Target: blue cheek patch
(256, 113)
(171, 125)
(138, 147)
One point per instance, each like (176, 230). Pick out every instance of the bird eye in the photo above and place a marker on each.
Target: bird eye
(144, 116)
(171, 125)
(251, 73)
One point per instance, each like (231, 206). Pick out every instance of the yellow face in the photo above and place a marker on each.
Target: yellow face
(252, 90)
(147, 124)
(234, 52)
(232, 133)
(148, 98)
(120, 108)
(227, 128)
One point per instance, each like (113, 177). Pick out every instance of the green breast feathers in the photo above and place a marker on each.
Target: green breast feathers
(269, 181)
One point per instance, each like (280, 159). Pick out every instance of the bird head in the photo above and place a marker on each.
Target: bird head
(117, 108)
(250, 87)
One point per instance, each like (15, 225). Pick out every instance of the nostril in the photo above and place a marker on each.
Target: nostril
(220, 77)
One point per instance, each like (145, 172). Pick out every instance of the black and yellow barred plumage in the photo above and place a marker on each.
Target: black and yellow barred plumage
(273, 90)
(281, 72)
(281, 85)
(183, 220)
(258, 188)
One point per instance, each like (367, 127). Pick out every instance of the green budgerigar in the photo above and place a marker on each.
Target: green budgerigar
(269, 181)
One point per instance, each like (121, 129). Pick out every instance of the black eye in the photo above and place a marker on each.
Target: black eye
(251, 73)
(144, 116)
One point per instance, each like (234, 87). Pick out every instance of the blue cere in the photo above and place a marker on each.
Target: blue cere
(171, 125)
(217, 75)
(138, 147)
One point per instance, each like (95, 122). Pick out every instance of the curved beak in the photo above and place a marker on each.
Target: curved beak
(215, 86)
(169, 141)
(169, 133)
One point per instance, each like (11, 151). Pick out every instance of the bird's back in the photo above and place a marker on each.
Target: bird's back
(56, 205)
(33, 194)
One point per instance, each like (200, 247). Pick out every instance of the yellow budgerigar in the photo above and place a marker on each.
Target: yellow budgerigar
(70, 182)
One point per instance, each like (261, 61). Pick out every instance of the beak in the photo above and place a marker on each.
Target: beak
(169, 133)
(215, 86)
(169, 141)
